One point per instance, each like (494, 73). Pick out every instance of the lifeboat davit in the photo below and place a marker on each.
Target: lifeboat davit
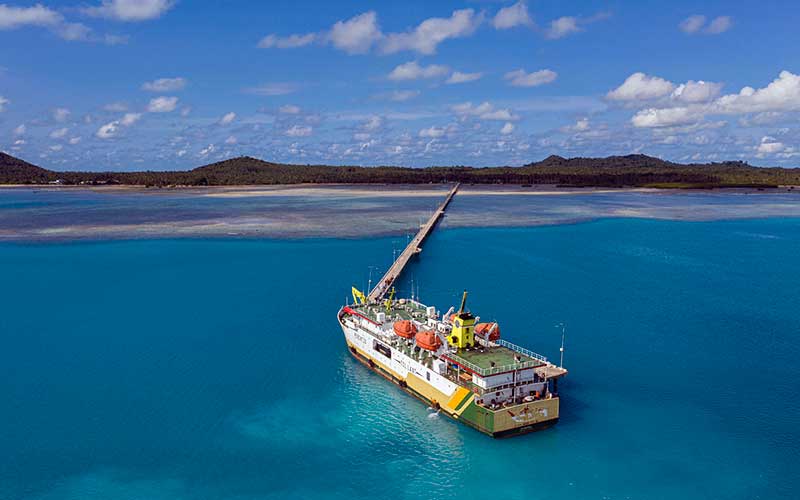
(482, 329)
(428, 340)
(405, 329)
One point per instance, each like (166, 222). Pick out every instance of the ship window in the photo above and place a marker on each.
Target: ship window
(428, 374)
(380, 348)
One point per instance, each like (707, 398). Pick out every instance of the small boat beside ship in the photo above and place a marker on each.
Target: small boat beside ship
(454, 363)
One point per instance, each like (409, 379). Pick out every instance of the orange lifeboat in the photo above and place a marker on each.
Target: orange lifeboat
(405, 329)
(482, 329)
(428, 340)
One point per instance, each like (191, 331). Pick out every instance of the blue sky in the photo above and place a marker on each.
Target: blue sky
(160, 84)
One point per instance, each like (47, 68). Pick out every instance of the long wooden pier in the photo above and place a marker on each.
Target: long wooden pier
(411, 249)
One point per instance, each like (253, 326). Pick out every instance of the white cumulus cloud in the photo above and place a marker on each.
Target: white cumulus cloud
(61, 114)
(130, 10)
(111, 129)
(692, 24)
(38, 15)
(696, 91)
(207, 151)
(667, 117)
(413, 71)
(581, 125)
(3, 103)
(769, 145)
(562, 27)
(641, 87)
(165, 85)
(484, 111)
(73, 31)
(299, 131)
(697, 24)
(357, 34)
(162, 104)
(289, 109)
(782, 94)
(286, 42)
(520, 78)
(719, 25)
(403, 95)
(129, 119)
(427, 36)
(467, 108)
(459, 77)
(361, 33)
(227, 118)
(508, 128)
(372, 124)
(499, 114)
(108, 130)
(59, 133)
(432, 132)
(512, 16)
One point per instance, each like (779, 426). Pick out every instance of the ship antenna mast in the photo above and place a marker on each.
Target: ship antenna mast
(563, 336)
(369, 281)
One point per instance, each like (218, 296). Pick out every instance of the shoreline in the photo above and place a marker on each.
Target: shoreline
(254, 190)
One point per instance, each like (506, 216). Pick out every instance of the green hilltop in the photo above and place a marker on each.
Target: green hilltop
(614, 171)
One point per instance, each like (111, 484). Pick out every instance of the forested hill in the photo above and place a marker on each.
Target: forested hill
(16, 171)
(613, 171)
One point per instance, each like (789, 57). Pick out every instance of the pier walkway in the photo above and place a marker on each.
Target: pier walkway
(412, 249)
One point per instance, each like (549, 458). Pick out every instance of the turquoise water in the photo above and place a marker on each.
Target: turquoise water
(199, 369)
(348, 211)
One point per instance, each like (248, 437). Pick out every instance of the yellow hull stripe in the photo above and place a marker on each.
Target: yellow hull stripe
(457, 398)
(462, 397)
(427, 390)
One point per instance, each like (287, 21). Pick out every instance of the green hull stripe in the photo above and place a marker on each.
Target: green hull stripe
(459, 405)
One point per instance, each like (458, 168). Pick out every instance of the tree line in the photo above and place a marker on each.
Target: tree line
(614, 171)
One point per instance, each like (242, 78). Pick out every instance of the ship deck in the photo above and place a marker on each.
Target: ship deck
(497, 357)
(409, 310)
(491, 357)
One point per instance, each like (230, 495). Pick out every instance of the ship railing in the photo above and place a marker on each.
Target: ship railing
(485, 372)
(521, 350)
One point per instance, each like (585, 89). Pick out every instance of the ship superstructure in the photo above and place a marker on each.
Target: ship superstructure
(453, 362)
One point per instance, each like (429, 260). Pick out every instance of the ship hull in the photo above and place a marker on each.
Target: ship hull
(450, 399)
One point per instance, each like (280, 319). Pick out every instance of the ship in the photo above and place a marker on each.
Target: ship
(455, 364)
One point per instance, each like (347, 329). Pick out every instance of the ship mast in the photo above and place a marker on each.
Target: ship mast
(463, 303)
